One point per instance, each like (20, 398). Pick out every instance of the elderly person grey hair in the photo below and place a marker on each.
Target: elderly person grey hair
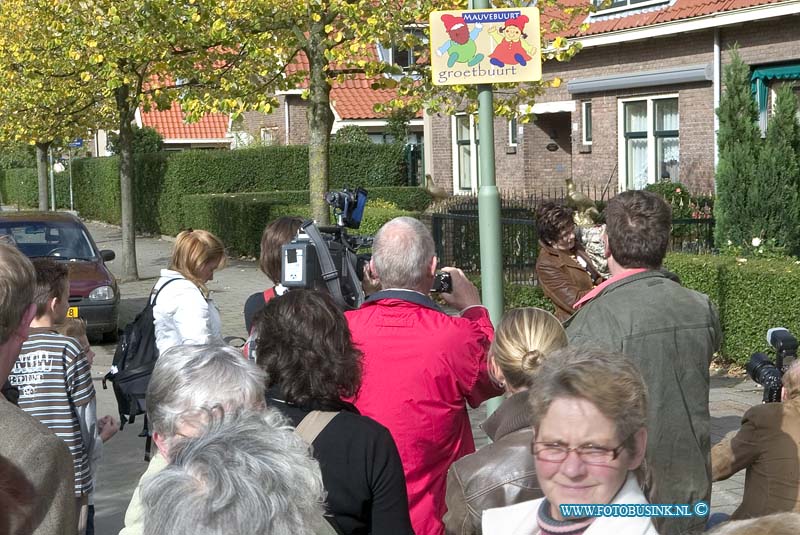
(404, 255)
(187, 383)
(246, 473)
(404, 258)
(188, 379)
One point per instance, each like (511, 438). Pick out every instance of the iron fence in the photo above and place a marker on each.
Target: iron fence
(457, 239)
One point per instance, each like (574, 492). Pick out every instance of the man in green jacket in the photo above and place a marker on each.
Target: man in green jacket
(672, 333)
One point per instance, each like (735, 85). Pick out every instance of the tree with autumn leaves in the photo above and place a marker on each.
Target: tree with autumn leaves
(97, 61)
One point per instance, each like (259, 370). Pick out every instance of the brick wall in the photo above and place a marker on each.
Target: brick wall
(441, 152)
(275, 122)
(759, 43)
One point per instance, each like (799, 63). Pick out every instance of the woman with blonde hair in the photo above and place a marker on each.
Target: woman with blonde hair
(183, 312)
(502, 473)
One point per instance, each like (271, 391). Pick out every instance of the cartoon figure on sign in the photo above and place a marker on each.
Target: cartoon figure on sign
(461, 45)
(512, 48)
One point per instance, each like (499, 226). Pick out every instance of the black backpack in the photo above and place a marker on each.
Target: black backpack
(134, 360)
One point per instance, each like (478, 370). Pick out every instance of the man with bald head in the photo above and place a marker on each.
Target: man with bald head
(421, 366)
(36, 475)
(767, 447)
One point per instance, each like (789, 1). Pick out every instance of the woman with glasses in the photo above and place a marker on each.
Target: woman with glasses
(502, 473)
(588, 410)
(563, 269)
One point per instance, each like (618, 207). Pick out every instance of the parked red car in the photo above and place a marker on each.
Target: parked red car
(93, 293)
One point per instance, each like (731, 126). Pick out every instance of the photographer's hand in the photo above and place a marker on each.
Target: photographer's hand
(464, 294)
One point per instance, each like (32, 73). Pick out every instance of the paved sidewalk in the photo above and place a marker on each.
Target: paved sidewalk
(122, 464)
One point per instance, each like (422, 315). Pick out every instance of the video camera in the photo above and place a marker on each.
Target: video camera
(767, 374)
(326, 258)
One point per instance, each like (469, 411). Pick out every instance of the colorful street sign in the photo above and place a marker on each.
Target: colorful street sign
(484, 46)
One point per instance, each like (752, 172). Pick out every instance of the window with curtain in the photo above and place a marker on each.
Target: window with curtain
(587, 122)
(466, 139)
(636, 144)
(651, 149)
(666, 136)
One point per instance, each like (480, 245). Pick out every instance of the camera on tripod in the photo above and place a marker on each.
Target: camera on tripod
(326, 258)
(769, 374)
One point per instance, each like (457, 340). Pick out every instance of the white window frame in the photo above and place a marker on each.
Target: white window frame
(393, 48)
(584, 105)
(626, 7)
(622, 163)
(473, 160)
(773, 93)
(513, 136)
(268, 135)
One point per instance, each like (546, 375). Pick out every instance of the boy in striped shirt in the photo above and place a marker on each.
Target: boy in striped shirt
(54, 378)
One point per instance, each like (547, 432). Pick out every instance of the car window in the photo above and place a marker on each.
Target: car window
(48, 239)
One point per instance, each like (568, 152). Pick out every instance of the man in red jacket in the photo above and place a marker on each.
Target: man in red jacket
(420, 364)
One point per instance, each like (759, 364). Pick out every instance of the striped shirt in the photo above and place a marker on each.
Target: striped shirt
(54, 378)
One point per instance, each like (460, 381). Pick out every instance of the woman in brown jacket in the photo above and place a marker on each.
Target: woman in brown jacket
(563, 269)
(502, 473)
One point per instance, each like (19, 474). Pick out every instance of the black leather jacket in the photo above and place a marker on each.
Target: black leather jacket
(497, 475)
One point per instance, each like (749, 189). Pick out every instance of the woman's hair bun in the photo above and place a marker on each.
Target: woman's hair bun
(531, 360)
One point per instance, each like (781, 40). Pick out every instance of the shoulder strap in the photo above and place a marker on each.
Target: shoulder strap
(329, 272)
(269, 294)
(312, 425)
(153, 299)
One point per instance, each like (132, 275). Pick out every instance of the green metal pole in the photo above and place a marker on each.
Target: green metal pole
(489, 211)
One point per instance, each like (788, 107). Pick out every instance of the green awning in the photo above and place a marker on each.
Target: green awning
(758, 83)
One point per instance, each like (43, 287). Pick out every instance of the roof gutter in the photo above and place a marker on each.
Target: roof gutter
(704, 22)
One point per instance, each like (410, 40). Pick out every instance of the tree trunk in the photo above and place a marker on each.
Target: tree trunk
(41, 172)
(126, 113)
(320, 125)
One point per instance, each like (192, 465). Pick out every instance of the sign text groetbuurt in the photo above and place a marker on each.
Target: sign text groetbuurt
(485, 46)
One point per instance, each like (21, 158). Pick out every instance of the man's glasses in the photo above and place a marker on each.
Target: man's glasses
(556, 453)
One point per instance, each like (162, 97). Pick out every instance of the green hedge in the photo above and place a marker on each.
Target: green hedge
(163, 180)
(20, 187)
(266, 169)
(239, 219)
(751, 296)
(520, 295)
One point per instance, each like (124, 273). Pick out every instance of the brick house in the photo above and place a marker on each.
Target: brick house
(637, 102)
(352, 102)
(212, 131)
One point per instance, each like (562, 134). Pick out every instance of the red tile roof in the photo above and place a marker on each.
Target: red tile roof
(354, 98)
(171, 124)
(651, 15)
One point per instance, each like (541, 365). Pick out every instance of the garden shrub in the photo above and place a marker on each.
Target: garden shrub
(351, 134)
(239, 219)
(162, 180)
(519, 295)
(676, 195)
(757, 179)
(21, 187)
(751, 296)
(273, 168)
